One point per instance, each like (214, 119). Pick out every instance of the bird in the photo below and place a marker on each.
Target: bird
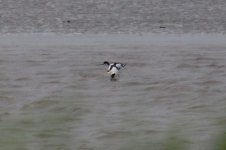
(113, 68)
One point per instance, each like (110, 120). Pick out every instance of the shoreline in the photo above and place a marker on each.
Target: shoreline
(59, 39)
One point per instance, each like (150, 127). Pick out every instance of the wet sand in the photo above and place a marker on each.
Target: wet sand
(55, 95)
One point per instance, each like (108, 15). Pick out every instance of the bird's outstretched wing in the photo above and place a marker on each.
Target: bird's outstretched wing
(119, 65)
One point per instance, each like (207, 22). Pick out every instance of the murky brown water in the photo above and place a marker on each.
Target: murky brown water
(54, 94)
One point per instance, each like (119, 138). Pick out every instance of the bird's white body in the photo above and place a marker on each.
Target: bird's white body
(113, 70)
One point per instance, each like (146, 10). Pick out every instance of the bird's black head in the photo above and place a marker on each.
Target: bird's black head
(106, 63)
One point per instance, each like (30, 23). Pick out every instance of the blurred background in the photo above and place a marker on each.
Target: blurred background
(55, 95)
(105, 16)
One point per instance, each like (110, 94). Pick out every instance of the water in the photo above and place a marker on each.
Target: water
(54, 94)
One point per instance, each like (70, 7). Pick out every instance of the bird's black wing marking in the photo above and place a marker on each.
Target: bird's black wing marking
(111, 66)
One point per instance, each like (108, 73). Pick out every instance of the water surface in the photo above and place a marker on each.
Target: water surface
(55, 95)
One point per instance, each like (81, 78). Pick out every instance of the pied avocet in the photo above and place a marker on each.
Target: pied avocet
(113, 68)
